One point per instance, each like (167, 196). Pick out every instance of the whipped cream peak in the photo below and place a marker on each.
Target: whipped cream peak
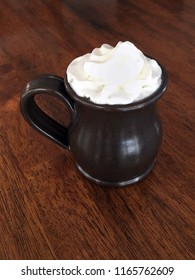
(114, 75)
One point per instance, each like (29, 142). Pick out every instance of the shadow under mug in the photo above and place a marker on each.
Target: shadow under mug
(112, 145)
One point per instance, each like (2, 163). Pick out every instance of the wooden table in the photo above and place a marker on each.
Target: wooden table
(48, 210)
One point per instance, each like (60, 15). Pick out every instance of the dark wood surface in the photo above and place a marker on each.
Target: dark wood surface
(47, 209)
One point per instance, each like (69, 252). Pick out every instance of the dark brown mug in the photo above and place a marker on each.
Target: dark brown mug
(112, 145)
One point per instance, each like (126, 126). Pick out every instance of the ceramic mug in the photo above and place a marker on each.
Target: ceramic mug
(113, 145)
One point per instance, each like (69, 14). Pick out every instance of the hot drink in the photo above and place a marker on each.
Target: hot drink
(115, 130)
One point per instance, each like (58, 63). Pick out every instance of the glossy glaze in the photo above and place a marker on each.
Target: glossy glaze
(116, 145)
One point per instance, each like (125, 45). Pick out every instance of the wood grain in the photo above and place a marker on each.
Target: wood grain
(47, 209)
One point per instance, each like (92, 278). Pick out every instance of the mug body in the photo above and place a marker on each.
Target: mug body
(115, 147)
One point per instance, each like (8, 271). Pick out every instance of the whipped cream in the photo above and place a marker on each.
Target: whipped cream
(114, 75)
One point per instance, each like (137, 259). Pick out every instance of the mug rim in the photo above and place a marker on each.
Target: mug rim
(122, 107)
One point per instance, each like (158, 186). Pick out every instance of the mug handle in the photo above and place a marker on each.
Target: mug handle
(40, 121)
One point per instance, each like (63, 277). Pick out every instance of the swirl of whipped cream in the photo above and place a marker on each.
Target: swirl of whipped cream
(114, 75)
